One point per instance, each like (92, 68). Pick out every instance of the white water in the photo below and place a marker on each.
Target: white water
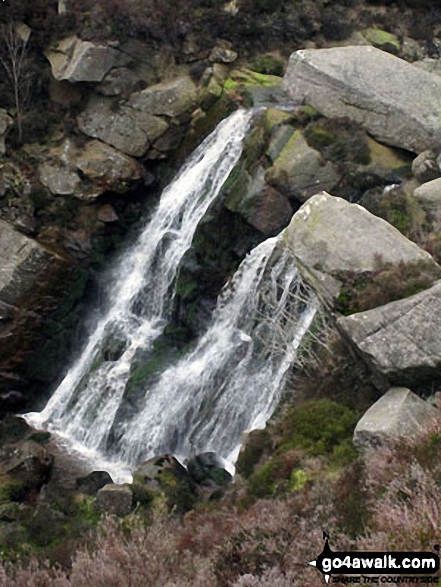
(231, 381)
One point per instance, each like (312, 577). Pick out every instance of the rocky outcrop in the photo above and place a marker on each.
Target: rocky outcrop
(399, 340)
(33, 283)
(399, 413)
(371, 87)
(425, 167)
(75, 60)
(300, 171)
(89, 170)
(5, 125)
(332, 239)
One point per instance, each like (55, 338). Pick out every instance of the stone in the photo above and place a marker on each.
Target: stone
(208, 469)
(428, 196)
(6, 123)
(430, 65)
(425, 167)
(382, 40)
(155, 470)
(373, 88)
(399, 413)
(29, 463)
(107, 214)
(171, 99)
(222, 55)
(93, 482)
(114, 499)
(331, 238)
(59, 180)
(64, 93)
(75, 60)
(300, 171)
(121, 80)
(386, 163)
(399, 340)
(128, 128)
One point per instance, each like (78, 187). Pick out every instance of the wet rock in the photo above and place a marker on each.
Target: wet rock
(300, 171)
(13, 428)
(371, 87)
(399, 340)
(93, 482)
(75, 60)
(6, 123)
(128, 127)
(425, 167)
(399, 413)
(114, 499)
(208, 469)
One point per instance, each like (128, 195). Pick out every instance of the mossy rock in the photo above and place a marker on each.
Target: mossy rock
(269, 64)
(382, 40)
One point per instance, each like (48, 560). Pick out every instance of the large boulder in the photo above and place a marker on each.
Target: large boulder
(130, 129)
(371, 87)
(75, 60)
(400, 340)
(399, 413)
(154, 472)
(172, 98)
(300, 171)
(207, 469)
(28, 463)
(333, 240)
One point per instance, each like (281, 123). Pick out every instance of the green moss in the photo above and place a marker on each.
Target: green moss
(382, 40)
(268, 64)
(318, 426)
(298, 480)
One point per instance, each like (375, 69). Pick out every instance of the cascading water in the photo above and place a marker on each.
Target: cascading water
(84, 405)
(232, 379)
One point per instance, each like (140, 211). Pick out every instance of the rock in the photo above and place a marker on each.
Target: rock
(29, 463)
(93, 482)
(208, 469)
(261, 205)
(34, 282)
(430, 65)
(222, 55)
(121, 80)
(399, 413)
(64, 93)
(386, 164)
(400, 340)
(114, 499)
(128, 128)
(172, 98)
(428, 196)
(300, 171)
(371, 87)
(102, 168)
(154, 471)
(382, 40)
(13, 428)
(107, 214)
(59, 180)
(81, 61)
(425, 167)
(332, 238)
(6, 123)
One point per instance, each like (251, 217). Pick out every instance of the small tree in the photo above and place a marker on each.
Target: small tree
(13, 57)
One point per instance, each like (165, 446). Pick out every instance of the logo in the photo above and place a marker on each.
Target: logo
(408, 565)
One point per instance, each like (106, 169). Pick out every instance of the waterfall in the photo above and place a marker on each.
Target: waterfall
(231, 382)
(84, 405)
(234, 375)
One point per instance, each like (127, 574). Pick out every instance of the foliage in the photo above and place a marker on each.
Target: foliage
(385, 284)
